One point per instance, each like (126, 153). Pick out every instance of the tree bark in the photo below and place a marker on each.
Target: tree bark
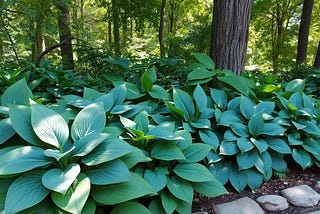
(304, 31)
(230, 34)
(161, 29)
(64, 34)
(316, 63)
(116, 27)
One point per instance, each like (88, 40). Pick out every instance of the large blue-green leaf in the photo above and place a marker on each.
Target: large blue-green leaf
(199, 75)
(221, 171)
(228, 148)
(229, 117)
(204, 59)
(194, 172)
(295, 139)
(174, 110)
(182, 100)
(26, 191)
(264, 164)
(279, 145)
(296, 85)
(112, 172)
(256, 124)
(164, 131)
(246, 107)
(57, 154)
(241, 84)
(201, 124)
(278, 163)
(88, 143)
(20, 117)
(244, 144)
(148, 78)
(107, 151)
(107, 101)
(219, 97)
(210, 188)
(158, 92)
(196, 152)
(58, 180)
(181, 189)
(77, 101)
(89, 120)
(15, 159)
(296, 100)
(260, 144)
(49, 126)
(273, 129)
(156, 178)
(129, 208)
(200, 98)
(134, 157)
(91, 94)
(119, 94)
(6, 130)
(136, 187)
(248, 159)
(167, 151)
(238, 178)
(311, 145)
(169, 202)
(209, 138)
(75, 198)
(18, 93)
(240, 129)
(302, 157)
(265, 107)
(311, 127)
(254, 178)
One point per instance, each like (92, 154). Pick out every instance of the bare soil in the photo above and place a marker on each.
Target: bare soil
(294, 177)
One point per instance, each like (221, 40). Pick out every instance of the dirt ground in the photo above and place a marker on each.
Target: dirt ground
(294, 177)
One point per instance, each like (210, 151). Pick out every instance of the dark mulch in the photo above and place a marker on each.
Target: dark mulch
(294, 177)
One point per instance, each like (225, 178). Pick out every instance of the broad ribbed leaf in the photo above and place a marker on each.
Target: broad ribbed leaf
(199, 75)
(278, 163)
(260, 144)
(196, 152)
(169, 202)
(238, 83)
(158, 92)
(91, 94)
(311, 145)
(59, 181)
(134, 157)
(210, 188)
(6, 130)
(302, 157)
(247, 160)
(111, 172)
(88, 143)
(295, 139)
(219, 97)
(229, 117)
(49, 126)
(238, 178)
(246, 107)
(279, 145)
(76, 196)
(255, 179)
(57, 154)
(209, 138)
(180, 188)
(221, 171)
(296, 85)
(240, 129)
(201, 98)
(167, 151)
(18, 94)
(156, 178)
(265, 107)
(182, 100)
(244, 144)
(174, 110)
(122, 192)
(130, 208)
(256, 124)
(107, 151)
(15, 159)
(311, 127)
(273, 129)
(77, 101)
(264, 164)
(228, 148)
(194, 172)
(148, 78)
(119, 94)
(26, 191)
(107, 101)
(89, 120)
(164, 131)
(204, 59)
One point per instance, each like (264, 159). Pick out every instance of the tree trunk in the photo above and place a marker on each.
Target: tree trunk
(116, 27)
(304, 31)
(1, 34)
(64, 34)
(316, 63)
(230, 34)
(161, 29)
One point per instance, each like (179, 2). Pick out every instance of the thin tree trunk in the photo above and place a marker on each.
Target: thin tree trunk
(65, 33)
(230, 33)
(316, 63)
(116, 27)
(304, 31)
(161, 29)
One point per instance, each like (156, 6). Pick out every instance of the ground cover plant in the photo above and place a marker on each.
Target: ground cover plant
(146, 147)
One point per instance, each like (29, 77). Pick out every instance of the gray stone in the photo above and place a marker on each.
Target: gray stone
(315, 212)
(243, 205)
(301, 196)
(317, 184)
(273, 202)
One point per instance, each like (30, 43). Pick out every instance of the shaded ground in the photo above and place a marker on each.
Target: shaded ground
(294, 177)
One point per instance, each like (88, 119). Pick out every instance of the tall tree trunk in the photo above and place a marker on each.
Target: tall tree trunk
(230, 33)
(304, 31)
(65, 34)
(38, 45)
(116, 27)
(161, 29)
(1, 34)
(316, 63)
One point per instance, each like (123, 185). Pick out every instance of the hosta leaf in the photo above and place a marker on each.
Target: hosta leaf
(119, 94)
(169, 202)
(298, 126)
(186, 141)
(107, 151)
(254, 178)
(256, 124)
(260, 144)
(16, 159)
(77, 101)
(89, 120)
(246, 107)
(196, 152)
(240, 129)
(295, 139)
(164, 131)
(194, 172)
(311, 127)
(183, 207)
(44, 207)
(148, 78)
(75, 198)
(57, 154)
(228, 148)
(129, 208)
(108, 173)
(181, 189)
(175, 110)
(265, 107)
(57, 180)
(91, 94)
(210, 188)
(238, 83)
(209, 138)
(167, 151)
(273, 129)
(302, 157)
(134, 157)
(238, 179)
(229, 117)
(201, 124)
(88, 143)
(6, 130)
(18, 196)
(183, 101)
(49, 126)
(244, 144)
(296, 85)
(156, 178)
(279, 145)
(219, 97)
(19, 88)
(247, 160)
(264, 164)
(200, 98)
(158, 92)
(204, 59)
(122, 192)
(133, 92)
(107, 100)
(278, 163)
(312, 146)
(199, 75)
